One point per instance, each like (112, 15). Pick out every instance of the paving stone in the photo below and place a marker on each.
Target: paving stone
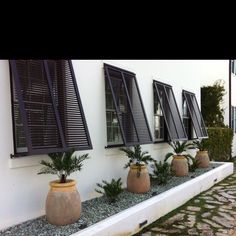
(224, 231)
(158, 229)
(147, 234)
(209, 206)
(208, 232)
(223, 184)
(223, 221)
(228, 211)
(193, 208)
(214, 202)
(175, 218)
(191, 221)
(192, 231)
(213, 224)
(231, 192)
(196, 201)
(202, 226)
(188, 212)
(225, 215)
(217, 187)
(220, 198)
(224, 194)
(206, 214)
(206, 197)
(221, 234)
(179, 226)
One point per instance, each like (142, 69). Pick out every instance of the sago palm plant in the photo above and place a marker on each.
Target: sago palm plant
(110, 190)
(179, 149)
(136, 156)
(63, 164)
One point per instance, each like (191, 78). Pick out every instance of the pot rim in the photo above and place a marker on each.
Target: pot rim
(57, 184)
(181, 157)
(134, 166)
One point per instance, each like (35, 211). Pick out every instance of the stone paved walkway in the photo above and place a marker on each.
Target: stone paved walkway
(212, 213)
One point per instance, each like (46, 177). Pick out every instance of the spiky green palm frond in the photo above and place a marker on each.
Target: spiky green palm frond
(63, 164)
(110, 190)
(137, 155)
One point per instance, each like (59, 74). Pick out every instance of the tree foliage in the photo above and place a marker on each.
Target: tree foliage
(211, 104)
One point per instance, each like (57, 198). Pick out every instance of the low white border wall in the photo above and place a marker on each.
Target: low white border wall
(127, 222)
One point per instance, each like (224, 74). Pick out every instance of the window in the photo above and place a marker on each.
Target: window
(233, 118)
(195, 114)
(47, 111)
(126, 119)
(165, 100)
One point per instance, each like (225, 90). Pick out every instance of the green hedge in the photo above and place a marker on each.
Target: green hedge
(219, 143)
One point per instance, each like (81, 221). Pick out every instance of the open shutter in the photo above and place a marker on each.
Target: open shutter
(37, 108)
(170, 111)
(130, 111)
(69, 105)
(195, 114)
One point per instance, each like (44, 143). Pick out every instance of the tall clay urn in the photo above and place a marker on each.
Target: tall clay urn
(63, 204)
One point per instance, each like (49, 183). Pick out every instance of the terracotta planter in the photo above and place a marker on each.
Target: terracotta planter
(138, 183)
(203, 159)
(63, 204)
(179, 165)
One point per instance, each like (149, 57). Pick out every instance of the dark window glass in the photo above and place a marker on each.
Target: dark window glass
(159, 127)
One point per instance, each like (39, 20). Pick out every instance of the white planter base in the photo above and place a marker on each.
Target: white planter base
(133, 219)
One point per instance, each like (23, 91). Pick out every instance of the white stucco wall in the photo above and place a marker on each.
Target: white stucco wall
(23, 192)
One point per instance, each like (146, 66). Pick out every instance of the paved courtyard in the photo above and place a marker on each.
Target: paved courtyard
(212, 213)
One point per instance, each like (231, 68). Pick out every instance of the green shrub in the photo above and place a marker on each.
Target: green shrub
(111, 190)
(161, 173)
(219, 143)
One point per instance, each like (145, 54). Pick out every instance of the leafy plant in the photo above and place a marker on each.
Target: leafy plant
(62, 164)
(211, 101)
(200, 144)
(161, 172)
(179, 149)
(110, 190)
(137, 157)
(219, 143)
(192, 167)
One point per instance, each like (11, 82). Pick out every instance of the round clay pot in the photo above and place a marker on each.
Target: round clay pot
(203, 159)
(179, 165)
(138, 182)
(63, 204)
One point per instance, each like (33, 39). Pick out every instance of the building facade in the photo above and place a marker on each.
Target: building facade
(96, 106)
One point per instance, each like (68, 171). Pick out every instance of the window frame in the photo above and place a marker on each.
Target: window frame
(193, 96)
(167, 101)
(15, 79)
(124, 72)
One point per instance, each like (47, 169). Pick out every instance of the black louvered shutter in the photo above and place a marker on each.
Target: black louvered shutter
(195, 114)
(69, 105)
(132, 119)
(47, 111)
(171, 114)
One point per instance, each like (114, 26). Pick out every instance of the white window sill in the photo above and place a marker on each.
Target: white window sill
(20, 162)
